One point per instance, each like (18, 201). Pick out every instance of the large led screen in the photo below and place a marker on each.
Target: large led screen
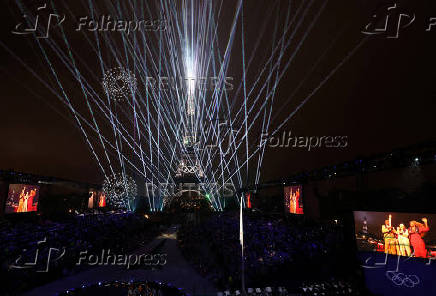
(404, 234)
(22, 198)
(101, 199)
(397, 252)
(294, 199)
(92, 198)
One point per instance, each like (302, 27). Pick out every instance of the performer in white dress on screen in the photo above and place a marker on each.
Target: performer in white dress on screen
(403, 240)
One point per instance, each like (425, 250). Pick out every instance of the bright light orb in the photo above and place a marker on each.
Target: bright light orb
(190, 72)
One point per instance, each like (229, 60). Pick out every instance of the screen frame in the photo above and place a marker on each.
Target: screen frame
(38, 193)
(300, 200)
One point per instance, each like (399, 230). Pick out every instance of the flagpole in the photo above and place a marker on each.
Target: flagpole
(241, 240)
(243, 272)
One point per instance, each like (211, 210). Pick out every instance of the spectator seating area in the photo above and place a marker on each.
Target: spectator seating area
(327, 288)
(268, 291)
(279, 251)
(119, 232)
(322, 288)
(122, 288)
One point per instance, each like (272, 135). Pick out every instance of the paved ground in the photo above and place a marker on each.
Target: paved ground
(176, 271)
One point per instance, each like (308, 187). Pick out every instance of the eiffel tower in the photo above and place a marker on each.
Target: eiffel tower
(189, 168)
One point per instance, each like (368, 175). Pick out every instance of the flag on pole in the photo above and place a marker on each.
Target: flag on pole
(241, 226)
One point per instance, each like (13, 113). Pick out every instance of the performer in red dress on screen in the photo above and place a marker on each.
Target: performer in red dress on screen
(416, 231)
(102, 200)
(32, 194)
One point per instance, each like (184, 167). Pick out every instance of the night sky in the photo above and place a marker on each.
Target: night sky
(382, 98)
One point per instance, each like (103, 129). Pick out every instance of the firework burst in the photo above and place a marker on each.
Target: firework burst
(119, 83)
(120, 190)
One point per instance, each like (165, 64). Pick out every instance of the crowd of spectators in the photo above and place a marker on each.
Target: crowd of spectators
(330, 288)
(278, 250)
(267, 291)
(22, 243)
(130, 288)
(318, 288)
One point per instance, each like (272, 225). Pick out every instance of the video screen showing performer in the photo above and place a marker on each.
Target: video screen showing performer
(403, 234)
(248, 200)
(22, 198)
(101, 199)
(92, 198)
(294, 199)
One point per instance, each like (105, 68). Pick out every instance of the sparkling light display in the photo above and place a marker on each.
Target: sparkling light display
(120, 190)
(119, 83)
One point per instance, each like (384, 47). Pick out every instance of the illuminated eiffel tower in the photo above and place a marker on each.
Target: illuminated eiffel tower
(189, 165)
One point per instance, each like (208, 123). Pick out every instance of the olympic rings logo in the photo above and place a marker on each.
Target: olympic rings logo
(400, 279)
